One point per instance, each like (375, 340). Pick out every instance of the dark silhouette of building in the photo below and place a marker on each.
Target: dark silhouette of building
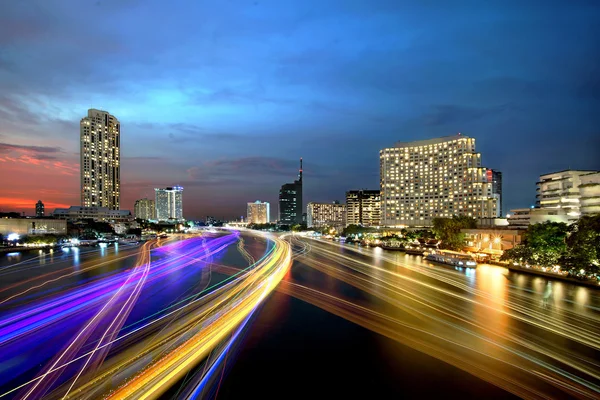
(290, 201)
(39, 209)
(496, 180)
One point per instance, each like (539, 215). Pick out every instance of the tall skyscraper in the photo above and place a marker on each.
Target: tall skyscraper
(145, 209)
(259, 213)
(100, 157)
(169, 203)
(326, 214)
(363, 207)
(290, 201)
(434, 178)
(495, 178)
(39, 209)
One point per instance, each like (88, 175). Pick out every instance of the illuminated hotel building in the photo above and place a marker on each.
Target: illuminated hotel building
(169, 203)
(258, 213)
(326, 214)
(433, 178)
(145, 209)
(100, 160)
(363, 207)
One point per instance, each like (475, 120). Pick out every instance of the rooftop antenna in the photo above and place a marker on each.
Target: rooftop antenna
(300, 172)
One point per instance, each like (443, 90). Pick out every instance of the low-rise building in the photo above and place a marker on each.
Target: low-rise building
(32, 226)
(492, 241)
(104, 214)
(589, 190)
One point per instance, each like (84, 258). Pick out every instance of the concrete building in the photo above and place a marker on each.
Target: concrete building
(31, 226)
(145, 209)
(434, 178)
(258, 213)
(519, 218)
(104, 214)
(290, 201)
(558, 194)
(40, 210)
(326, 214)
(169, 203)
(100, 160)
(363, 207)
(589, 190)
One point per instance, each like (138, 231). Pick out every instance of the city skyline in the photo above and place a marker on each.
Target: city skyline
(228, 131)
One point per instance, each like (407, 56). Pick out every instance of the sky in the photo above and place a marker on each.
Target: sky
(223, 97)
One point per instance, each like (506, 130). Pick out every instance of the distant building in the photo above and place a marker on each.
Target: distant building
(258, 213)
(432, 178)
(100, 163)
(104, 214)
(495, 178)
(32, 226)
(363, 207)
(326, 214)
(145, 209)
(559, 194)
(169, 203)
(290, 201)
(39, 209)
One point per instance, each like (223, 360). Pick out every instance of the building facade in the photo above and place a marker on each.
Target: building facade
(100, 160)
(559, 194)
(326, 214)
(433, 178)
(258, 213)
(363, 207)
(103, 214)
(31, 226)
(145, 209)
(290, 202)
(169, 203)
(589, 190)
(495, 178)
(40, 210)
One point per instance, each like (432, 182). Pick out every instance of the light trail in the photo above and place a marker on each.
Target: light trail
(441, 312)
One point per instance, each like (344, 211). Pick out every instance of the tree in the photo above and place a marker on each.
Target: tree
(583, 246)
(543, 245)
(448, 231)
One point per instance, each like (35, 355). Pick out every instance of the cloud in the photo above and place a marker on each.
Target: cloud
(449, 114)
(31, 154)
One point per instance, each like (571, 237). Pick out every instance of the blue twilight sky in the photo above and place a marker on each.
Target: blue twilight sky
(223, 97)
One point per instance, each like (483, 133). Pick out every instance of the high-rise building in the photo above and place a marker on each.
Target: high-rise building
(100, 163)
(290, 201)
(326, 214)
(363, 207)
(495, 178)
(559, 194)
(169, 203)
(259, 213)
(433, 178)
(145, 209)
(39, 209)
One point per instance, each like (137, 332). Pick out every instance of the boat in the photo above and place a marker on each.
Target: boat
(388, 246)
(452, 258)
(414, 251)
